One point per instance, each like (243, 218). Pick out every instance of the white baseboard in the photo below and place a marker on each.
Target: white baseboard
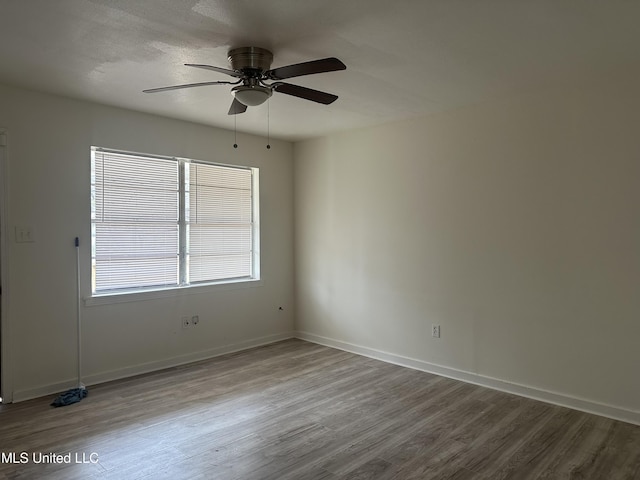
(117, 374)
(588, 406)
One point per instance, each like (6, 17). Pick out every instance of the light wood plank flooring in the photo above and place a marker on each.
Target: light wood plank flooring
(295, 410)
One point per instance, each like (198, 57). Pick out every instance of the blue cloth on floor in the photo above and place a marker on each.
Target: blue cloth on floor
(71, 396)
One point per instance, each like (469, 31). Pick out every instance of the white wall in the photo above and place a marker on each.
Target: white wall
(515, 225)
(48, 168)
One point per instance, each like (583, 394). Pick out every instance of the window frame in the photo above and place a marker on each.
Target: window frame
(182, 286)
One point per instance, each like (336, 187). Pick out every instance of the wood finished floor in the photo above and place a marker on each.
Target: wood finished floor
(295, 410)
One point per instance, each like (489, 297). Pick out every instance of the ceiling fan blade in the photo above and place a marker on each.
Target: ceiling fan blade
(226, 71)
(304, 92)
(188, 85)
(237, 107)
(307, 68)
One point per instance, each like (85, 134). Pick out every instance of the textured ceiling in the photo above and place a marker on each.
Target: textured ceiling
(404, 58)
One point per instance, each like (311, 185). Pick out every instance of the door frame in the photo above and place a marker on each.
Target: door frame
(6, 385)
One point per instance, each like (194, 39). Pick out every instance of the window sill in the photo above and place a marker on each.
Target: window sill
(124, 297)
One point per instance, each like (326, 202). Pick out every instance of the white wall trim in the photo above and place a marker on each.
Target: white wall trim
(131, 371)
(581, 404)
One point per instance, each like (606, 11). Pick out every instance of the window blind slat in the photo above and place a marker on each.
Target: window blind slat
(203, 267)
(217, 239)
(136, 273)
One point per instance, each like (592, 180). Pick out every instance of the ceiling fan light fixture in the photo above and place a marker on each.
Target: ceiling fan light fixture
(251, 95)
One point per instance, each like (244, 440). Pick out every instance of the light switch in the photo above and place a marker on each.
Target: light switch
(24, 235)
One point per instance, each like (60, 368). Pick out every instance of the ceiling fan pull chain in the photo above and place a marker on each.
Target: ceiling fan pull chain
(268, 129)
(235, 131)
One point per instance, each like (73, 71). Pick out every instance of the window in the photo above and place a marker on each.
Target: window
(164, 222)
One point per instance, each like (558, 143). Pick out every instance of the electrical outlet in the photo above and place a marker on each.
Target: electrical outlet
(195, 320)
(186, 322)
(435, 331)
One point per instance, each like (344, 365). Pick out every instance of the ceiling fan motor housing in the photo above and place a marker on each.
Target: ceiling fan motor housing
(247, 59)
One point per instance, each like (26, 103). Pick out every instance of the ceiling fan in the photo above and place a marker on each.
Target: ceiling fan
(257, 82)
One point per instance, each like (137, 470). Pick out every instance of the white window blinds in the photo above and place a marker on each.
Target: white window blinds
(220, 222)
(166, 222)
